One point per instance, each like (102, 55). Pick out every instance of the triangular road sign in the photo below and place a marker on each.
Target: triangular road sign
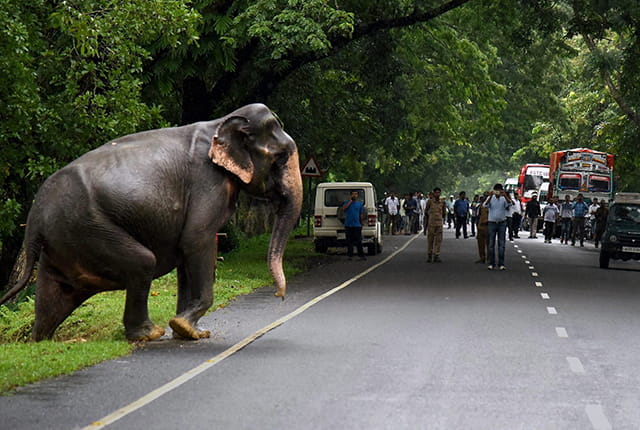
(311, 168)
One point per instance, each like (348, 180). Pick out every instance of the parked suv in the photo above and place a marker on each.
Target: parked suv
(329, 231)
(621, 240)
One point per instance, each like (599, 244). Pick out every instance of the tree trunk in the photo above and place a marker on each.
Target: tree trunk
(197, 104)
(12, 259)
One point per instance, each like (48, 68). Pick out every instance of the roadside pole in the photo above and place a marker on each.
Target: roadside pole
(310, 170)
(309, 188)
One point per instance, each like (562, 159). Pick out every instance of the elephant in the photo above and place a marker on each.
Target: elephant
(144, 204)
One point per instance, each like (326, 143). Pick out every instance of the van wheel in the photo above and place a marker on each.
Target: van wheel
(604, 260)
(371, 249)
(378, 248)
(321, 247)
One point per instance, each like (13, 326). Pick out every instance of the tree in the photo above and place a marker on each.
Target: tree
(72, 80)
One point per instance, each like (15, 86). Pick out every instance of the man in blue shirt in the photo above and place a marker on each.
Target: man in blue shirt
(354, 212)
(461, 211)
(498, 203)
(580, 210)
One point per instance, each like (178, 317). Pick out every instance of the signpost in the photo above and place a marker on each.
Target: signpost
(310, 170)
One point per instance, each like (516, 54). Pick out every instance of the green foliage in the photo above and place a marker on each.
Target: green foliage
(72, 80)
(22, 364)
(291, 26)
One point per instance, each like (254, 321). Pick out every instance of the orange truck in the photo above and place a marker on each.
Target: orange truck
(581, 171)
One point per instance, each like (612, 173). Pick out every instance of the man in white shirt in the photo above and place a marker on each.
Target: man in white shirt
(392, 203)
(517, 215)
(593, 207)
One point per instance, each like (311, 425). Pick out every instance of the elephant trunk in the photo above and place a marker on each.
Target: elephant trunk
(288, 209)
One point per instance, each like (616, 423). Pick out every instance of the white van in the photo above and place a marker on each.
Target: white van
(511, 185)
(543, 192)
(328, 230)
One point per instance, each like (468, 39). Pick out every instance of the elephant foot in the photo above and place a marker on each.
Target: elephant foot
(147, 334)
(182, 329)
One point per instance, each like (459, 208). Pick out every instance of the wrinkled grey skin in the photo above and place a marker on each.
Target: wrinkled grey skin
(135, 208)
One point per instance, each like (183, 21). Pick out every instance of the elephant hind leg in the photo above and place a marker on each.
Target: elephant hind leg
(55, 301)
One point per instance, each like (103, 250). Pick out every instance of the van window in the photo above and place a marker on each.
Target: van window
(336, 197)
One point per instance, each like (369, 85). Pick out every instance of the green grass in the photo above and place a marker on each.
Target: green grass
(94, 332)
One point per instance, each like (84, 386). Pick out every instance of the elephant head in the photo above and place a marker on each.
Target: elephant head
(251, 144)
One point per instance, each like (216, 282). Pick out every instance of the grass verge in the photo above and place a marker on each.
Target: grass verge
(94, 332)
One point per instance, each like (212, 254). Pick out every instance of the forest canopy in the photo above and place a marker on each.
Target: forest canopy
(406, 94)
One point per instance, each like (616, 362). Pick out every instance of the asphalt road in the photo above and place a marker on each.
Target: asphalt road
(550, 343)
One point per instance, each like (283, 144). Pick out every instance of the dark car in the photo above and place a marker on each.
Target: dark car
(621, 240)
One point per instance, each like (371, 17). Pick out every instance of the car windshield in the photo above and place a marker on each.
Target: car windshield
(532, 182)
(337, 197)
(626, 213)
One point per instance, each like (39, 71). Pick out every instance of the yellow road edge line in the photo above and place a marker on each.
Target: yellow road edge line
(190, 374)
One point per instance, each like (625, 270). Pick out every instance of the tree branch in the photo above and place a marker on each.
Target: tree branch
(270, 79)
(611, 87)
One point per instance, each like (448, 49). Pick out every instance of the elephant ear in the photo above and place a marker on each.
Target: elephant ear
(229, 149)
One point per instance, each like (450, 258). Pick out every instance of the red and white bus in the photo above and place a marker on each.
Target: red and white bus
(532, 176)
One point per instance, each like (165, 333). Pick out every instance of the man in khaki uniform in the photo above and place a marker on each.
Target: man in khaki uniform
(436, 211)
(483, 230)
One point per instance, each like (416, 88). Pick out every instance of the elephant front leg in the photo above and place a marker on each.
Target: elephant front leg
(138, 326)
(195, 297)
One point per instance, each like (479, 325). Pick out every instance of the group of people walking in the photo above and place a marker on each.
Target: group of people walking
(569, 220)
(491, 215)
(403, 215)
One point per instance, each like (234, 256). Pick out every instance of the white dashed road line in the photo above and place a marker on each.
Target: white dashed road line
(575, 365)
(597, 417)
(595, 412)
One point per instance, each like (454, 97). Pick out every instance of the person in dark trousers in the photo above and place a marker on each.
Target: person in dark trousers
(580, 211)
(498, 204)
(354, 213)
(533, 213)
(516, 218)
(601, 221)
(566, 215)
(474, 212)
(550, 215)
(461, 212)
(410, 207)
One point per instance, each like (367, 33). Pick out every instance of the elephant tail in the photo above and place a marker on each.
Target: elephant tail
(32, 247)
